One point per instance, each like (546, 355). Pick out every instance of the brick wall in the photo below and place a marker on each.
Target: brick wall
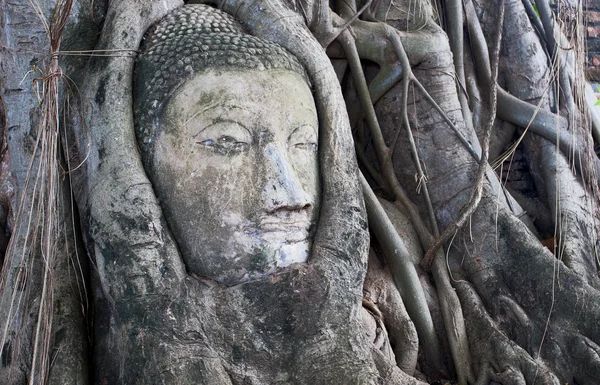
(592, 19)
(592, 30)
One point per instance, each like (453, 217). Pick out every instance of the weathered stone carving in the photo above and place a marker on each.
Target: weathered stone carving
(226, 305)
(228, 130)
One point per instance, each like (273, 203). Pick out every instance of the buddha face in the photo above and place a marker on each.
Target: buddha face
(235, 169)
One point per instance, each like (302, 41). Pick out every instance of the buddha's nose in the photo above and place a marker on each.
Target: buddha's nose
(283, 189)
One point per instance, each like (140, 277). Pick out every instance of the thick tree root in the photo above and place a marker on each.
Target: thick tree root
(405, 276)
(540, 121)
(562, 190)
(500, 253)
(522, 300)
(450, 304)
(496, 356)
(380, 292)
(471, 206)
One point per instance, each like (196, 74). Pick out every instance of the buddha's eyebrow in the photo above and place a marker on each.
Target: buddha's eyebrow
(225, 106)
(222, 121)
(302, 122)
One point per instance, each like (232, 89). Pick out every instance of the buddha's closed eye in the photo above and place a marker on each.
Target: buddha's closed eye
(225, 137)
(304, 138)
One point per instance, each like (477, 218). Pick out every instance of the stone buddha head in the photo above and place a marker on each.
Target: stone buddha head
(228, 132)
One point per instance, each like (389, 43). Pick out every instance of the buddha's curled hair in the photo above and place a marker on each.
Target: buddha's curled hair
(185, 42)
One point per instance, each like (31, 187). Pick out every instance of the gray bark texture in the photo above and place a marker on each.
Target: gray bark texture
(94, 290)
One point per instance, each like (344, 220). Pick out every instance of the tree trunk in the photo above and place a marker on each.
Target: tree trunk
(94, 289)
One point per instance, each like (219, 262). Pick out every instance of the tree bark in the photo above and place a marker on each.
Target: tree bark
(115, 304)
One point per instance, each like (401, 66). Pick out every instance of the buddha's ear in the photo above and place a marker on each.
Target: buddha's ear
(126, 226)
(342, 231)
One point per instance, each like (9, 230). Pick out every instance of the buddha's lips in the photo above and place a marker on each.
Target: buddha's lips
(291, 228)
(284, 225)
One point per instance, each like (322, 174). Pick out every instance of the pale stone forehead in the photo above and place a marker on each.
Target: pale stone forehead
(186, 42)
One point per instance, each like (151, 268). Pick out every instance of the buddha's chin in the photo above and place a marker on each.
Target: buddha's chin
(265, 259)
(290, 253)
(281, 247)
(271, 256)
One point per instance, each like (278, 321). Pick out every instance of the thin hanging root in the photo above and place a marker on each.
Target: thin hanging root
(40, 364)
(407, 77)
(421, 314)
(330, 38)
(404, 272)
(454, 28)
(40, 224)
(475, 198)
(513, 110)
(449, 303)
(325, 31)
(392, 73)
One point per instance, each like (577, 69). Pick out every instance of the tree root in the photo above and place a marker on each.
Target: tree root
(524, 308)
(336, 31)
(383, 300)
(569, 204)
(405, 275)
(475, 198)
(498, 358)
(454, 17)
(449, 302)
(511, 109)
